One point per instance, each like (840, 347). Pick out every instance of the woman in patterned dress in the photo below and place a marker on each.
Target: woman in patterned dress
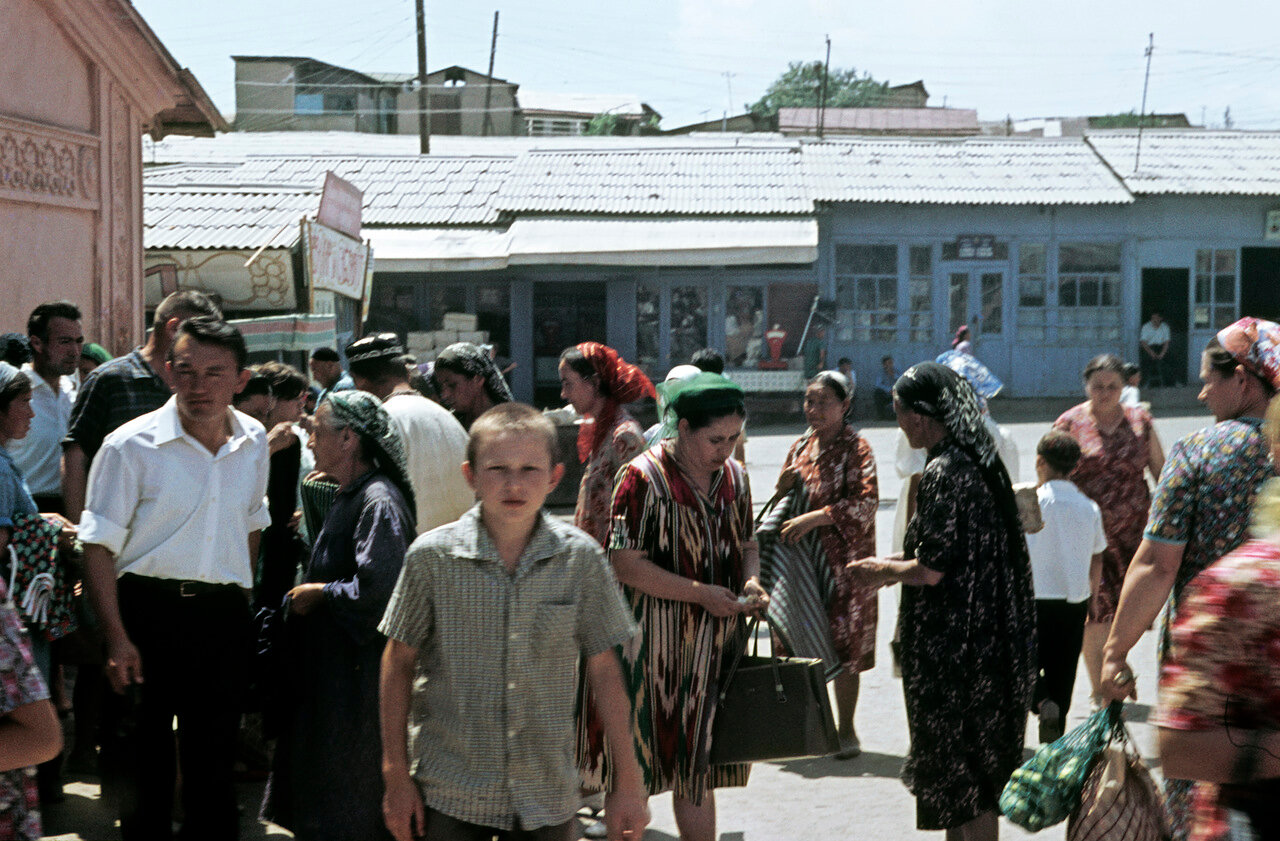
(838, 471)
(1201, 506)
(967, 620)
(1117, 445)
(681, 544)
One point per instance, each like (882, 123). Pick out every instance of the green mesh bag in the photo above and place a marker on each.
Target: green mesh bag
(1046, 789)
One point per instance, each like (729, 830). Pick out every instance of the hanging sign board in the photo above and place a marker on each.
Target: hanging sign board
(340, 205)
(335, 261)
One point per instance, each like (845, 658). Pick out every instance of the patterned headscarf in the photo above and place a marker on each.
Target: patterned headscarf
(363, 413)
(621, 382)
(473, 361)
(1255, 344)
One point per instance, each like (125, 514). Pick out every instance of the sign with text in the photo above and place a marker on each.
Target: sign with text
(340, 205)
(975, 247)
(335, 261)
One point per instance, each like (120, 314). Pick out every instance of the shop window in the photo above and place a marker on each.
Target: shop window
(1032, 297)
(920, 293)
(443, 298)
(744, 326)
(648, 320)
(1215, 290)
(688, 322)
(1089, 292)
(866, 293)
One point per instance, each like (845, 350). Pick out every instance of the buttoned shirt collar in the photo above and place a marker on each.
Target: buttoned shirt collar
(168, 428)
(477, 544)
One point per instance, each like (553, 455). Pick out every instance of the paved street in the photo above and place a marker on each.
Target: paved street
(820, 799)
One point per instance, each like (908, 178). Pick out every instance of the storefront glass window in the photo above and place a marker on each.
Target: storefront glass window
(648, 318)
(866, 293)
(688, 322)
(1088, 292)
(744, 326)
(1031, 292)
(1215, 288)
(920, 293)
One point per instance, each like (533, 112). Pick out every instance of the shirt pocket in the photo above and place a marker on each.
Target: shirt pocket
(554, 658)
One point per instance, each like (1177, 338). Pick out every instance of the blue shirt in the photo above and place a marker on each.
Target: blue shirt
(15, 496)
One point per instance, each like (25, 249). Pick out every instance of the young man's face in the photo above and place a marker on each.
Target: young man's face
(59, 352)
(512, 475)
(205, 379)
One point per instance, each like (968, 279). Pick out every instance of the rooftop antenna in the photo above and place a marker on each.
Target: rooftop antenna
(1142, 115)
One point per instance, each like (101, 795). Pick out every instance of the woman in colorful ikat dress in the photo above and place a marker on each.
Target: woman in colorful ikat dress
(1201, 507)
(1118, 445)
(681, 544)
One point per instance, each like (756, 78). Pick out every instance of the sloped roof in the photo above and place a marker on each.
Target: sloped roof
(650, 181)
(224, 219)
(963, 171)
(1194, 162)
(900, 120)
(584, 104)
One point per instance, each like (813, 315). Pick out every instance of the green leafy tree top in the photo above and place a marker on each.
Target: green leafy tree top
(801, 85)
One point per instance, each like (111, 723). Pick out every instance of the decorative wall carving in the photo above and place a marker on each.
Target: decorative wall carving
(47, 165)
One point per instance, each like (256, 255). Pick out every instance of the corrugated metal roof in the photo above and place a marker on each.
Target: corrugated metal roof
(177, 218)
(673, 181)
(585, 104)
(1195, 162)
(880, 119)
(968, 171)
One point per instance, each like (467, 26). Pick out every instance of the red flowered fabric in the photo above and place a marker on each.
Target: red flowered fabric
(20, 684)
(623, 382)
(1255, 343)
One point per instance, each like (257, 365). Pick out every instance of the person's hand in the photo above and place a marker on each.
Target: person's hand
(280, 437)
(124, 664)
(718, 601)
(870, 572)
(318, 476)
(1118, 681)
(798, 527)
(295, 522)
(626, 814)
(66, 530)
(754, 600)
(308, 423)
(402, 808)
(305, 598)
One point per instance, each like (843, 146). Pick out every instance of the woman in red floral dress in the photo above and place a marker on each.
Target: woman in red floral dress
(1117, 444)
(837, 471)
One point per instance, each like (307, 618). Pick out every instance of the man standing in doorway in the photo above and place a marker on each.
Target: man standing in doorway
(174, 510)
(1154, 341)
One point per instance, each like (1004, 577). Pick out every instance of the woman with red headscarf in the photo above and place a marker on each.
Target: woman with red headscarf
(597, 382)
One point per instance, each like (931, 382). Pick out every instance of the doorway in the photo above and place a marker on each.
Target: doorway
(1260, 283)
(1167, 291)
(976, 298)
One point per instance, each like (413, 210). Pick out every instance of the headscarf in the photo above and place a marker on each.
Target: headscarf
(962, 335)
(666, 419)
(96, 352)
(475, 362)
(713, 394)
(8, 374)
(1255, 344)
(363, 413)
(986, 385)
(940, 393)
(620, 382)
(835, 381)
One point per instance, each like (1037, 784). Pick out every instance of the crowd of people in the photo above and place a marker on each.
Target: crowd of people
(357, 586)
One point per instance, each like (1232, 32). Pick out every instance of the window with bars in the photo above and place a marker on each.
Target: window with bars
(866, 292)
(1215, 291)
(1089, 288)
(920, 293)
(1032, 292)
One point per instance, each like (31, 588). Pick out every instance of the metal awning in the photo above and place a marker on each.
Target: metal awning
(437, 249)
(287, 332)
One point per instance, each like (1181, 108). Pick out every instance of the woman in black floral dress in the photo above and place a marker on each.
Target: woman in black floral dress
(967, 618)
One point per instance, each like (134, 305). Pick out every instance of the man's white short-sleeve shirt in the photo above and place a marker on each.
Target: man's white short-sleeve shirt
(1062, 550)
(1154, 336)
(39, 454)
(166, 507)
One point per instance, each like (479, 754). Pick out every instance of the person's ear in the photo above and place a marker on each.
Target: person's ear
(682, 427)
(171, 328)
(557, 473)
(242, 379)
(468, 475)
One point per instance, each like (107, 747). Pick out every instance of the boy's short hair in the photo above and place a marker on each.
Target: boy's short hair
(515, 418)
(1060, 451)
(1129, 370)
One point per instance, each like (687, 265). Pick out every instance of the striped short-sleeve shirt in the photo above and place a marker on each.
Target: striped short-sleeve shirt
(491, 723)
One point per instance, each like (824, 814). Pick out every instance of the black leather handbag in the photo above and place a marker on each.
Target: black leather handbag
(772, 708)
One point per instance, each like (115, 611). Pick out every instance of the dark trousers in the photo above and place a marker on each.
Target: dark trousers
(884, 403)
(1155, 372)
(194, 651)
(441, 827)
(1060, 628)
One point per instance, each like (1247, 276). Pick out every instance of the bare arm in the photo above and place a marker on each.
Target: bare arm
(1147, 585)
(29, 735)
(75, 478)
(881, 572)
(626, 810)
(1212, 755)
(634, 569)
(255, 543)
(124, 664)
(1095, 572)
(1155, 456)
(402, 806)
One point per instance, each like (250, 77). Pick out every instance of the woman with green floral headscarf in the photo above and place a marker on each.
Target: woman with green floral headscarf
(326, 779)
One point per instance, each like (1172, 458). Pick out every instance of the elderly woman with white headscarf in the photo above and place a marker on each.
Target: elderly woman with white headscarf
(326, 779)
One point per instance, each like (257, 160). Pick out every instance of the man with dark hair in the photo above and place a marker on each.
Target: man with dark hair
(122, 389)
(326, 369)
(708, 359)
(173, 514)
(56, 338)
(435, 444)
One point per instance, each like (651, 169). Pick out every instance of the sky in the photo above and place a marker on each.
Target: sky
(692, 60)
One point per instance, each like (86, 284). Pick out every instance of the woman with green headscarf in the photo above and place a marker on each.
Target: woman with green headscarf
(681, 544)
(326, 779)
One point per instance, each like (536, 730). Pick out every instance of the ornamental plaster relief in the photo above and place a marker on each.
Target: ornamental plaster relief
(47, 165)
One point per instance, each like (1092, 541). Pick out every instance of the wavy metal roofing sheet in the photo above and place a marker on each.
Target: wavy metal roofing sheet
(1194, 162)
(226, 219)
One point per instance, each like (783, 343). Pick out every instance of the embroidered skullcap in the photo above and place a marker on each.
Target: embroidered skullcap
(96, 352)
(471, 361)
(363, 413)
(1255, 344)
(376, 346)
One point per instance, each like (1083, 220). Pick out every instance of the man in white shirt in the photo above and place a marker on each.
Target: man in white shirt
(173, 511)
(435, 444)
(56, 339)
(1066, 566)
(1154, 341)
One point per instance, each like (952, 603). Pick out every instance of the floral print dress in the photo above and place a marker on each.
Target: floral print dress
(20, 684)
(1111, 473)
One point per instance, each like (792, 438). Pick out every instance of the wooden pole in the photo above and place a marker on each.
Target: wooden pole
(424, 116)
(488, 87)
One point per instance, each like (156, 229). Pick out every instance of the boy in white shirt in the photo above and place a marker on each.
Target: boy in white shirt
(1066, 565)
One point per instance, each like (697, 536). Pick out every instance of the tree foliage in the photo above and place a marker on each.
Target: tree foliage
(603, 124)
(800, 86)
(1132, 119)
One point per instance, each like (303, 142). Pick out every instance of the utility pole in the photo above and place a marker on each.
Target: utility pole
(424, 116)
(728, 83)
(822, 95)
(1142, 115)
(488, 87)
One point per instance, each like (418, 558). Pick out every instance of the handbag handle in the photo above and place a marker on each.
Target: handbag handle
(773, 660)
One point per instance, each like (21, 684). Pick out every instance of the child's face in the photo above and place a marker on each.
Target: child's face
(512, 475)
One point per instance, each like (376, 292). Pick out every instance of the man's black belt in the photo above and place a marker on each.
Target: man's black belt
(178, 586)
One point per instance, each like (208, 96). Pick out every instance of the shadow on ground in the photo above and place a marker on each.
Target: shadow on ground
(884, 765)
